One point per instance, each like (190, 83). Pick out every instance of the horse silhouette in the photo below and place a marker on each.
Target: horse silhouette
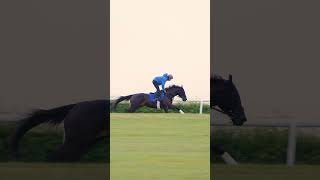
(225, 98)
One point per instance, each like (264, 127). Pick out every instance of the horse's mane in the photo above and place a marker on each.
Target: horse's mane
(172, 86)
(218, 77)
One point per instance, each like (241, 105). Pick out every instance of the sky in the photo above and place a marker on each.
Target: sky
(152, 37)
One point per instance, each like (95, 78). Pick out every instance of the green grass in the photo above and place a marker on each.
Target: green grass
(41, 171)
(265, 172)
(160, 146)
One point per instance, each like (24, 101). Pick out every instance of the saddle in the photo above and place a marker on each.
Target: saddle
(152, 96)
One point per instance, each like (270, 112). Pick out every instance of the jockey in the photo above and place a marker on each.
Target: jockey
(161, 81)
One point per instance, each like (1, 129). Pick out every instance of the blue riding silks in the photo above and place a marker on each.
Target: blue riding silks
(161, 80)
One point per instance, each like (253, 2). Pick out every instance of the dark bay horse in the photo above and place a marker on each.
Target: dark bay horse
(84, 124)
(142, 99)
(225, 98)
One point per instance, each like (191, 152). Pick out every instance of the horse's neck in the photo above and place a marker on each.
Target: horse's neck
(170, 95)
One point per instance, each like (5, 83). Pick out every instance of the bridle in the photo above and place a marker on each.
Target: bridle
(213, 107)
(218, 110)
(221, 111)
(171, 94)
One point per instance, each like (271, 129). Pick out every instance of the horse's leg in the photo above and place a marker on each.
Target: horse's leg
(132, 108)
(72, 148)
(70, 151)
(165, 108)
(65, 152)
(171, 106)
(218, 149)
(134, 105)
(227, 158)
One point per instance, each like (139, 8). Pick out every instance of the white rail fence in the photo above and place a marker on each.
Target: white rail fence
(292, 133)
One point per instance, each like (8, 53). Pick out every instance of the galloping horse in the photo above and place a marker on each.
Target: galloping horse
(84, 124)
(141, 99)
(224, 98)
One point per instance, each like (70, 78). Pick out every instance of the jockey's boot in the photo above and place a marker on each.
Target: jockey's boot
(158, 99)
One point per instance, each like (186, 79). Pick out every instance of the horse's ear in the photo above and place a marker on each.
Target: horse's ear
(230, 77)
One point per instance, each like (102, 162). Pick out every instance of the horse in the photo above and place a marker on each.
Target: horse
(225, 98)
(85, 123)
(142, 99)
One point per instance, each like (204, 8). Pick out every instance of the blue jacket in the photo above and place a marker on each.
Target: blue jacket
(161, 80)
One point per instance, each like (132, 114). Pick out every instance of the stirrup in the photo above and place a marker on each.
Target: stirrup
(158, 104)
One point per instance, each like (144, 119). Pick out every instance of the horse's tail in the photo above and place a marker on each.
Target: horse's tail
(122, 98)
(53, 116)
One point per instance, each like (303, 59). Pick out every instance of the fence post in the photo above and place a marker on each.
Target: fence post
(201, 106)
(291, 151)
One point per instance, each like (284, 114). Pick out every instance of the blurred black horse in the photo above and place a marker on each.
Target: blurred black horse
(142, 99)
(84, 124)
(225, 98)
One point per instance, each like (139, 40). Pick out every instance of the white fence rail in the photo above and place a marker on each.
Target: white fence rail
(292, 133)
(200, 102)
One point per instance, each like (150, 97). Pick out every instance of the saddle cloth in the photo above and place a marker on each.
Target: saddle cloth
(152, 96)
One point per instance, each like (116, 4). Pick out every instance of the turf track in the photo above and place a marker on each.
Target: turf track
(159, 146)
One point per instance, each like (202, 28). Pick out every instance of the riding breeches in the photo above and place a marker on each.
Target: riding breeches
(157, 88)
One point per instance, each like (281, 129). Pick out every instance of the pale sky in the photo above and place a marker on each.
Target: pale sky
(152, 37)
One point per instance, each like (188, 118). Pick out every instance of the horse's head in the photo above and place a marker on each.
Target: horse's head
(224, 94)
(177, 91)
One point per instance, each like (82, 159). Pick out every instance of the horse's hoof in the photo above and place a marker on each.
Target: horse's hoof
(181, 111)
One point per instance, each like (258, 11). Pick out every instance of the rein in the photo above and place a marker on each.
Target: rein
(219, 110)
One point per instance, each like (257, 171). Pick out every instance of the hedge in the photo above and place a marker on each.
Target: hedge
(37, 143)
(186, 107)
(266, 146)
